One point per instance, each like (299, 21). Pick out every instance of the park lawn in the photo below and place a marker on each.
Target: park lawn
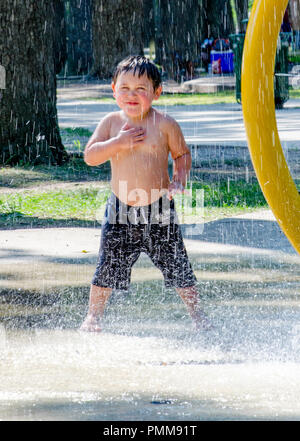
(189, 99)
(196, 98)
(66, 204)
(183, 99)
(226, 96)
(75, 195)
(72, 172)
(294, 93)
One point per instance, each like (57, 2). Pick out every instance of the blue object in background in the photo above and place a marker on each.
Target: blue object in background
(226, 60)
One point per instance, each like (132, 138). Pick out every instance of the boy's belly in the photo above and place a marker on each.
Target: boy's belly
(140, 180)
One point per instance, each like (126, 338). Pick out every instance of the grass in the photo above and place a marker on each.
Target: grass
(23, 177)
(188, 99)
(77, 131)
(75, 194)
(294, 57)
(64, 204)
(75, 138)
(184, 99)
(207, 98)
(294, 93)
(196, 98)
(225, 194)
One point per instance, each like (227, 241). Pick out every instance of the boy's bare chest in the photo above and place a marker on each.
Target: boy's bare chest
(152, 146)
(155, 143)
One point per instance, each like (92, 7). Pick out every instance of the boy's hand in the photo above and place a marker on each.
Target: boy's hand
(128, 136)
(175, 187)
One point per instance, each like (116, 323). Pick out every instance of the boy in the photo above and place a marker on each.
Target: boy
(140, 214)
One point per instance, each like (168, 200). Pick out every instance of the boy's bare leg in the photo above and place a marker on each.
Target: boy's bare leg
(98, 299)
(190, 298)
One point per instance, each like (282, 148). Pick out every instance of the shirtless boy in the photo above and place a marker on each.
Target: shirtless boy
(140, 214)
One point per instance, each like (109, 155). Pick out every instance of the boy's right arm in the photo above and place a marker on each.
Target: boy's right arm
(101, 146)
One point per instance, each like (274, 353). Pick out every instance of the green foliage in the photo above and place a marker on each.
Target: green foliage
(234, 15)
(187, 99)
(294, 93)
(61, 204)
(88, 203)
(294, 57)
(79, 131)
(230, 194)
(250, 5)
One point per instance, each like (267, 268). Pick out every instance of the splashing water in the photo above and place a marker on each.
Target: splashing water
(153, 366)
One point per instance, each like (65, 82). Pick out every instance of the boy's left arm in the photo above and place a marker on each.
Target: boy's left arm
(182, 160)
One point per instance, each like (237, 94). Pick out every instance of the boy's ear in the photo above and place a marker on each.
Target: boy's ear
(157, 92)
(113, 86)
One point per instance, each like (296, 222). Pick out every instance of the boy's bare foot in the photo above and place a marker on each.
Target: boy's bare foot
(201, 322)
(91, 323)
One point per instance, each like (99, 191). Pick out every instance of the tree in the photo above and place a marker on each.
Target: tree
(177, 32)
(241, 7)
(79, 36)
(117, 28)
(219, 18)
(181, 27)
(294, 13)
(149, 25)
(59, 36)
(29, 129)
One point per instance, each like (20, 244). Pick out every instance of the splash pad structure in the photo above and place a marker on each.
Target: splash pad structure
(259, 114)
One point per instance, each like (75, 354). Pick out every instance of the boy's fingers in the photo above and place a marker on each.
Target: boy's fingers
(138, 140)
(125, 126)
(127, 129)
(140, 133)
(139, 130)
(135, 132)
(174, 189)
(170, 196)
(139, 136)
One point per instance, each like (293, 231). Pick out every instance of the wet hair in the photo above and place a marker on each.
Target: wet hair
(141, 65)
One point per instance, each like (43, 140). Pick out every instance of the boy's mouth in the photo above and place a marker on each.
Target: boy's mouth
(132, 103)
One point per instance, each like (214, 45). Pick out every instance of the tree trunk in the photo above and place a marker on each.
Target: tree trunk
(60, 43)
(177, 26)
(149, 26)
(219, 19)
(241, 7)
(117, 32)
(294, 13)
(79, 37)
(29, 130)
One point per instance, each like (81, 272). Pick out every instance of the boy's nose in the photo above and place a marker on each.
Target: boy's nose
(131, 92)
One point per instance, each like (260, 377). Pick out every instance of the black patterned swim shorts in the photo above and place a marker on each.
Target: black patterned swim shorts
(128, 231)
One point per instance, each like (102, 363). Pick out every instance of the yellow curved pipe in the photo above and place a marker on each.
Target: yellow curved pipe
(257, 87)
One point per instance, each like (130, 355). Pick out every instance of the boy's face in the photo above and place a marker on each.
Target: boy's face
(134, 94)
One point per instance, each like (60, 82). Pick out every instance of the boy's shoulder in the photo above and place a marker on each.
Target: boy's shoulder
(112, 116)
(166, 121)
(106, 125)
(172, 130)
(109, 121)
